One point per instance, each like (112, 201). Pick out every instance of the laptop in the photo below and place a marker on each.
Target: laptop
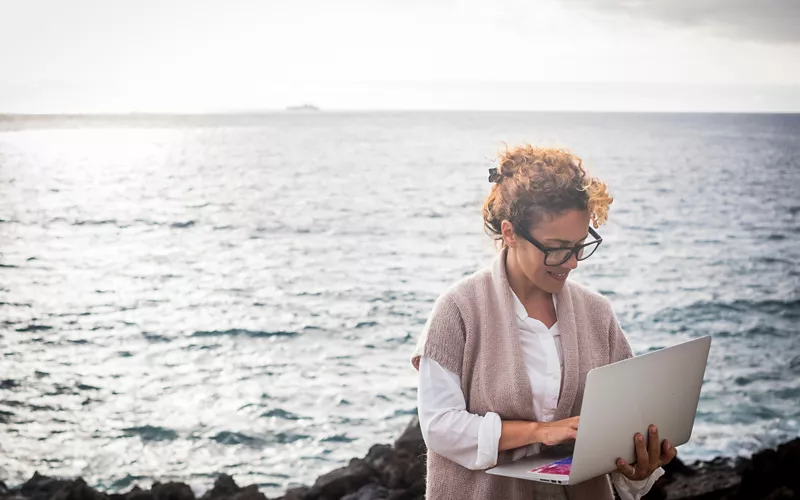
(619, 400)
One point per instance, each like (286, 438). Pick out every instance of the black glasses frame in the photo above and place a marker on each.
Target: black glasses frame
(572, 251)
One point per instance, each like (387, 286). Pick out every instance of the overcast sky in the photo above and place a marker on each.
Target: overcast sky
(200, 56)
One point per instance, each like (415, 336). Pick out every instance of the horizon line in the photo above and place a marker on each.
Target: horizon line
(283, 111)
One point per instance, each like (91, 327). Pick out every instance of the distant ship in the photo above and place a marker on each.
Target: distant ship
(304, 107)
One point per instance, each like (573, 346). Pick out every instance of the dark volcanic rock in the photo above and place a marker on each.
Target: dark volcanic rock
(249, 492)
(710, 480)
(772, 470)
(137, 493)
(225, 488)
(172, 491)
(374, 491)
(369, 492)
(398, 473)
(411, 439)
(388, 465)
(678, 467)
(300, 493)
(397, 468)
(78, 490)
(770, 474)
(40, 487)
(338, 483)
(782, 493)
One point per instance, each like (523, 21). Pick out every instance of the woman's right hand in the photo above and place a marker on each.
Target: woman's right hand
(516, 433)
(553, 433)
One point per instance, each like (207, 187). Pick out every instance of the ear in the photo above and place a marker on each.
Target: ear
(509, 236)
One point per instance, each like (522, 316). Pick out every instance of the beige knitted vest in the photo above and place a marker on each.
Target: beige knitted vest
(472, 332)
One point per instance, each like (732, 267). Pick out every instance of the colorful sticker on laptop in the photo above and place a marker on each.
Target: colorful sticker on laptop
(562, 467)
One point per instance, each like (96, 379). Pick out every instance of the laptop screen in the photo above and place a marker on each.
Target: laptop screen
(561, 467)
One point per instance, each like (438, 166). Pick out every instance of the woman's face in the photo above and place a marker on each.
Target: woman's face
(567, 229)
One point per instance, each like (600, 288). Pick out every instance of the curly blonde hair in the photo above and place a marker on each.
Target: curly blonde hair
(533, 183)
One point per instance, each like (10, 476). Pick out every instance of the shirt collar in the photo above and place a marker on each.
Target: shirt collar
(520, 309)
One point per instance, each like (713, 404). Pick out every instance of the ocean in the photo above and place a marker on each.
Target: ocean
(186, 296)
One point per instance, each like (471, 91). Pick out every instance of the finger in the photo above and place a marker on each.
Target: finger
(653, 447)
(673, 452)
(626, 469)
(668, 452)
(642, 456)
(665, 451)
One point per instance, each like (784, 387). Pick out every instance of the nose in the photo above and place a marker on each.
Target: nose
(572, 262)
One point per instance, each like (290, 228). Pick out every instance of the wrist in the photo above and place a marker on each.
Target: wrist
(535, 432)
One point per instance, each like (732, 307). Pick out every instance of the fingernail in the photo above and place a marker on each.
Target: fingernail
(621, 462)
(653, 428)
(639, 437)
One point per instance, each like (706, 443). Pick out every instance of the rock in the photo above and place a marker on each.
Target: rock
(782, 493)
(249, 492)
(340, 482)
(7, 493)
(137, 493)
(300, 493)
(396, 468)
(374, 491)
(677, 467)
(710, 480)
(78, 490)
(411, 440)
(406, 495)
(172, 491)
(224, 488)
(398, 473)
(415, 478)
(772, 470)
(384, 461)
(40, 487)
(379, 455)
(770, 474)
(371, 491)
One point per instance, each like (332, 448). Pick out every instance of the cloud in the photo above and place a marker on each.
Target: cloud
(760, 20)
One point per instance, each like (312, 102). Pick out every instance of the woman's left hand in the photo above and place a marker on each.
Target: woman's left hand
(648, 458)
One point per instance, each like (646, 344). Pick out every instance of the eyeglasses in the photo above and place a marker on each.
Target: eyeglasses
(557, 256)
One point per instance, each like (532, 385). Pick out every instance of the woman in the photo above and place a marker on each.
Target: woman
(504, 354)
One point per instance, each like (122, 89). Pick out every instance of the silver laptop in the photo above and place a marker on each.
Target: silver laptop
(621, 399)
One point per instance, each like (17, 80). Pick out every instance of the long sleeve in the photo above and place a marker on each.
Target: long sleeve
(449, 430)
(634, 490)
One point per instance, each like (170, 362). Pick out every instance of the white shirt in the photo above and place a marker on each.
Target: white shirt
(471, 440)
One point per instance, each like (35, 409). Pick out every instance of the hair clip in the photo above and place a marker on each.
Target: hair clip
(493, 175)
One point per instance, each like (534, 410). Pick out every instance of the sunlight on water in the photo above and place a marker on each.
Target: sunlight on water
(184, 298)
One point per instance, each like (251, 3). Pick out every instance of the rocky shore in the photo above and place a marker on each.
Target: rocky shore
(396, 472)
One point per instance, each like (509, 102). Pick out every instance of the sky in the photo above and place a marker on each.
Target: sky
(196, 56)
